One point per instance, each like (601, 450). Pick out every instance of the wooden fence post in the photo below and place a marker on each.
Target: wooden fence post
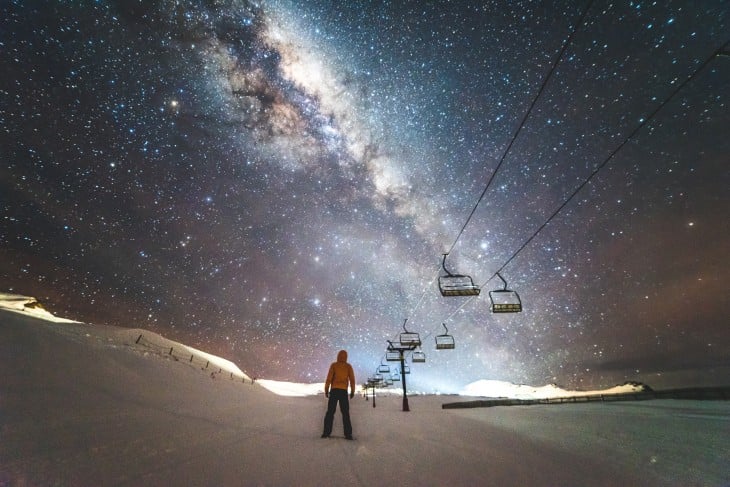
(170, 351)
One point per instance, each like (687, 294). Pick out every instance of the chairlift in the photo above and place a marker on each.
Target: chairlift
(505, 300)
(445, 341)
(395, 376)
(392, 356)
(373, 383)
(408, 338)
(456, 284)
(406, 369)
(418, 357)
(384, 368)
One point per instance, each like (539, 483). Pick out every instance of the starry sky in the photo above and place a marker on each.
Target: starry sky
(273, 181)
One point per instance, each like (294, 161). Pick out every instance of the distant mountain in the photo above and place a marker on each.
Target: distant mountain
(501, 389)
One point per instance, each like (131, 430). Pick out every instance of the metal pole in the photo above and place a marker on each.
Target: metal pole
(373, 395)
(403, 378)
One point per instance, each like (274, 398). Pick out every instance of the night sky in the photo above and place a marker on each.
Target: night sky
(274, 181)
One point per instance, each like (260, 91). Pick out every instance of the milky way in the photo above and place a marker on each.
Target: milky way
(274, 181)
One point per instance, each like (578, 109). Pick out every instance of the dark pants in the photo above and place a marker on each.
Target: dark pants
(338, 395)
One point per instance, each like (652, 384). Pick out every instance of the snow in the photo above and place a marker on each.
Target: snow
(495, 388)
(481, 388)
(87, 405)
(29, 307)
(292, 389)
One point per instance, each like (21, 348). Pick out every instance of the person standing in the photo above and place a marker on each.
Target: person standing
(339, 376)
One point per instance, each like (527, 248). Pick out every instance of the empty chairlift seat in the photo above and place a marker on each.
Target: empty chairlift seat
(445, 341)
(372, 383)
(384, 368)
(392, 356)
(456, 284)
(505, 300)
(409, 338)
(418, 357)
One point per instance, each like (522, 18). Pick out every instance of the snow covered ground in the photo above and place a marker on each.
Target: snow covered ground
(90, 405)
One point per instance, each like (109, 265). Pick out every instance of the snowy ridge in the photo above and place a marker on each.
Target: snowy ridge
(159, 342)
(28, 306)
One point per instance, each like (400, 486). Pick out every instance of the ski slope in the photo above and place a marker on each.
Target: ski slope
(87, 405)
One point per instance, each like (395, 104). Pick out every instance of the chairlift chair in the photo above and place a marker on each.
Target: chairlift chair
(456, 284)
(418, 356)
(395, 376)
(392, 356)
(505, 300)
(409, 338)
(406, 369)
(384, 368)
(445, 341)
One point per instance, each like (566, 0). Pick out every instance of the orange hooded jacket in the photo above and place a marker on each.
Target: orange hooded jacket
(340, 374)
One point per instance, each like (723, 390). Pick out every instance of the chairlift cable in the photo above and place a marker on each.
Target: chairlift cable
(522, 123)
(426, 289)
(720, 52)
(509, 147)
(641, 125)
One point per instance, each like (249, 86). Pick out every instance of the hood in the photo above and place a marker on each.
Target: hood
(342, 356)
